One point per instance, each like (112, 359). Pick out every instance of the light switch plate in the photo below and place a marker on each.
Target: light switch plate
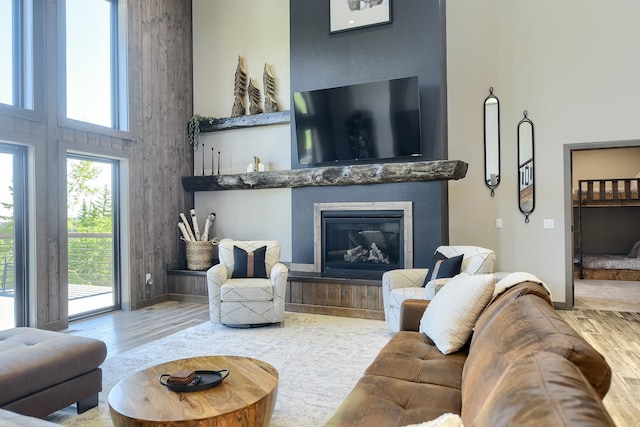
(548, 224)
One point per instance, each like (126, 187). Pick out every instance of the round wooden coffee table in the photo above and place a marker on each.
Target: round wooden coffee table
(246, 397)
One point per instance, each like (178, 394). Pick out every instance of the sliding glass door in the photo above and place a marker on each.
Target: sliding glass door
(13, 236)
(93, 239)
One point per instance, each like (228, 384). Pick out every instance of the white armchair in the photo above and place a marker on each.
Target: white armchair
(399, 285)
(247, 300)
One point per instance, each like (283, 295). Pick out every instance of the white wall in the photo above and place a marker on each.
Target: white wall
(572, 65)
(259, 32)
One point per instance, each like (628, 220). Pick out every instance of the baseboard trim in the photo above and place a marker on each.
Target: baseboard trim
(199, 299)
(335, 311)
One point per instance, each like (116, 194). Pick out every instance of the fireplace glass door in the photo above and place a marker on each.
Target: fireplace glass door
(362, 243)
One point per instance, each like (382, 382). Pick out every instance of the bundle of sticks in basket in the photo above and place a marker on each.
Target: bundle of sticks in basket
(193, 235)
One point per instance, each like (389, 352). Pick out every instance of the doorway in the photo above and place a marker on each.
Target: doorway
(13, 236)
(93, 259)
(604, 232)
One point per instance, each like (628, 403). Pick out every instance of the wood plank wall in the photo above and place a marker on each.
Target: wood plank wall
(188, 286)
(155, 152)
(335, 297)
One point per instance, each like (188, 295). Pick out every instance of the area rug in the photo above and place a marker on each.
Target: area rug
(319, 359)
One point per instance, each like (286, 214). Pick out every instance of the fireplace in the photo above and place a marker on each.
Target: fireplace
(362, 239)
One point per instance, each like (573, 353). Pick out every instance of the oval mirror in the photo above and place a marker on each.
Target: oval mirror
(492, 141)
(526, 183)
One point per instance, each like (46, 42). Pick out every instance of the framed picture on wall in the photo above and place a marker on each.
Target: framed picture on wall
(345, 15)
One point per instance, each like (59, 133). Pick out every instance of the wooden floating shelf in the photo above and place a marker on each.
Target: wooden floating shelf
(379, 173)
(263, 119)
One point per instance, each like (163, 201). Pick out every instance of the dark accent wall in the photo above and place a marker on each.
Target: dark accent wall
(608, 230)
(412, 45)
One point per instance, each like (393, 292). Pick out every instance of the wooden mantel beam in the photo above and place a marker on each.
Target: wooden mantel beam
(379, 173)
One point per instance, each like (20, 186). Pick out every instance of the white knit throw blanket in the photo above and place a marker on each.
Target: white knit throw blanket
(513, 279)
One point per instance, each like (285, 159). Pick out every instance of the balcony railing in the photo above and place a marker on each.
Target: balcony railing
(90, 260)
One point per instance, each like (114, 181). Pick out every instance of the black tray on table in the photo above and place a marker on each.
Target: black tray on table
(204, 380)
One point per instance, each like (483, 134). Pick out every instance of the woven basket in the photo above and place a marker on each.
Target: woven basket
(199, 255)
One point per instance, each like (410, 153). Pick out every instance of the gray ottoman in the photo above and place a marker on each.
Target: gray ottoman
(44, 371)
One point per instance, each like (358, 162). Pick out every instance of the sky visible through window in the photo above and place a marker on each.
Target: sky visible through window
(88, 32)
(89, 61)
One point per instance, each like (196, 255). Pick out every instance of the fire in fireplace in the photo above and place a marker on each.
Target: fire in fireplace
(362, 243)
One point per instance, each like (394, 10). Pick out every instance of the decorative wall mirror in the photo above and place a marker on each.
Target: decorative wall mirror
(526, 183)
(492, 141)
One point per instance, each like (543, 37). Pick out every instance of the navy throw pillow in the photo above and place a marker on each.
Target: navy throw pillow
(441, 266)
(249, 264)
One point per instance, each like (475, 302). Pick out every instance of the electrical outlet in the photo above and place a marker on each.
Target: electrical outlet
(148, 279)
(498, 222)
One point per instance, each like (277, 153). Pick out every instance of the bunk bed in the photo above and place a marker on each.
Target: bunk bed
(607, 193)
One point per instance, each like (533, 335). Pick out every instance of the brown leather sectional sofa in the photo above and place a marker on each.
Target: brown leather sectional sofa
(524, 365)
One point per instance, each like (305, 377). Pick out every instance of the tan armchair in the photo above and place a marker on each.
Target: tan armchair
(247, 300)
(399, 285)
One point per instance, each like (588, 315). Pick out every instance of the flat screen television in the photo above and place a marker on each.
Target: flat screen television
(358, 123)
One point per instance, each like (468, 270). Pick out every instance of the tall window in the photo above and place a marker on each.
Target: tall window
(16, 53)
(95, 76)
(93, 238)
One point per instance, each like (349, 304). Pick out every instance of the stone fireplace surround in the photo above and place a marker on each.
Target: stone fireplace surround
(309, 291)
(405, 207)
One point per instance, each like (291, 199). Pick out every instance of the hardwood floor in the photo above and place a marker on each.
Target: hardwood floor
(616, 334)
(125, 330)
(610, 295)
(607, 315)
